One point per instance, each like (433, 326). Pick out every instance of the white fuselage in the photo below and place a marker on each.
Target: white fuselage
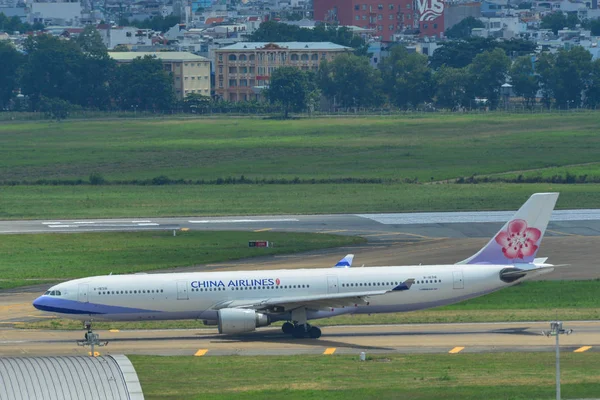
(197, 295)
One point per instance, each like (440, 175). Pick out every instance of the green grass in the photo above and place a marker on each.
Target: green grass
(28, 259)
(50, 202)
(529, 301)
(448, 376)
(426, 147)
(590, 170)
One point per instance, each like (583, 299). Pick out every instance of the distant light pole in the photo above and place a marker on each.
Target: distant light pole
(556, 329)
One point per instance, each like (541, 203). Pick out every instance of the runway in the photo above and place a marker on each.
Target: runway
(393, 239)
(434, 338)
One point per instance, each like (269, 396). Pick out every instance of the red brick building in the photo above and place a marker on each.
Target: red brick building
(386, 17)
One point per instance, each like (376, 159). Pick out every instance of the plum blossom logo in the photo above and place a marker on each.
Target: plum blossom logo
(277, 281)
(518, 240)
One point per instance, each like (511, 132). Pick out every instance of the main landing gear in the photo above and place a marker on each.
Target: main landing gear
(300, 331)
(300, 328)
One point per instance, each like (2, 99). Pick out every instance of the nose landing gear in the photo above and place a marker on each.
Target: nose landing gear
(90, 338)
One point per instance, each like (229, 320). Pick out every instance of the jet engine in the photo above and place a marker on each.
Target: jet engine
(235, 320)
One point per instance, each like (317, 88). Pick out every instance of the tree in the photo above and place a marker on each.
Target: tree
(13, 24)
(53, 69)
(595, 27)
(157, 23)
(350, 81)
(463, 29)
(546, 76)
(98, 69)
(487, 73)
(56, 108)
(572, 70)
(9, 67)
(196, 103)
(557, 20)
(460, 53)
(290, 87)
(143, 84)
(592, 94)
(524, 79)
(407, 78)
(452, 87)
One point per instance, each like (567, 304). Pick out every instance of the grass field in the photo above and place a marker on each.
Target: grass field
(50, 202)
(427, 147)
(529, 301)
(450, 376)
(30, 259)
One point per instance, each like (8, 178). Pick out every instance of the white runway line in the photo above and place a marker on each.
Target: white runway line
(473, 217)
(235, 221)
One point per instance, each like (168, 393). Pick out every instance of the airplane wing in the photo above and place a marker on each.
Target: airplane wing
(312, 302)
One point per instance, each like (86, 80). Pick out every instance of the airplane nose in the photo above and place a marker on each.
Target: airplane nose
(39, 303)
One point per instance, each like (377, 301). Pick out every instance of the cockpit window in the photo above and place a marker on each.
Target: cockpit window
(47, 293)
(58, 292)
(52, 293)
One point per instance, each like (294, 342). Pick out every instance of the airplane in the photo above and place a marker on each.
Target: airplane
(240, 301)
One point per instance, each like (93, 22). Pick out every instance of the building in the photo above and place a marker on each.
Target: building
(386, 18)
(191, 73)
(242, 69)
(66, 12)
(456, 12)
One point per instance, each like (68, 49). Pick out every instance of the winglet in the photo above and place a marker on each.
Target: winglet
(519, 239)
(405, 285)
(345, 262)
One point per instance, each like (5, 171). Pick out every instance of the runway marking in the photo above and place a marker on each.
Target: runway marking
(235, 221)
(582, 349)
(456, 350)
(113, 330)
(561, 233)
(15, 305)
(334, 231)
(147, 224)
(329, 351)
(185, 229)
(263, 230)
(201, 352)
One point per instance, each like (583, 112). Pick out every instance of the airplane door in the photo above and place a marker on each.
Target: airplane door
(82, 295)
(182, 290)
(332, 284)
(458, 280)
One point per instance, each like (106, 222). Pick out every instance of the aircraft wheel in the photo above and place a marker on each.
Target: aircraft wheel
(314, 332)
(287, 328)
(299, 332)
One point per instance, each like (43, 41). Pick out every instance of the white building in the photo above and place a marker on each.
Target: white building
(191, 73)
(59, 13)
(113, 36)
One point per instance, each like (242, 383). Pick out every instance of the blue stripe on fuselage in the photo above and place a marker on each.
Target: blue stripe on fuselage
(63, 306)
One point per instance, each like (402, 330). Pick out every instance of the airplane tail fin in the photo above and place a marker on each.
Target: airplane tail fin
(345, 262)
(519, 239)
